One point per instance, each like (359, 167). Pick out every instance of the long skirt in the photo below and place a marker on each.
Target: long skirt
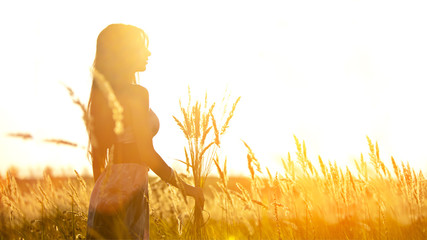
(118, 206)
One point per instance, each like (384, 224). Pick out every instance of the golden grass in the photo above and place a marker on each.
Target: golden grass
(336, 205)
(200, 152)
(303, 200)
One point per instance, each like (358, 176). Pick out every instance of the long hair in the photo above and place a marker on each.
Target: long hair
(114, 66)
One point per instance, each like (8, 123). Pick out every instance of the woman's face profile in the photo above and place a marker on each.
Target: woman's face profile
(142, 54)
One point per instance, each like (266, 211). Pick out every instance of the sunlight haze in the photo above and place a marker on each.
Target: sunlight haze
(328, 72)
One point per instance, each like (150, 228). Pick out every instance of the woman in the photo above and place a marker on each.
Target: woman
(121, 130)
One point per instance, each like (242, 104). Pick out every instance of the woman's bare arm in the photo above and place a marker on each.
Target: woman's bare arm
(140, 124)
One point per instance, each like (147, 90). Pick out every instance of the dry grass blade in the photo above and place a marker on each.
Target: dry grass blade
(260, 203)
(77, 101)
(61, 142)
(196, 120)
(300, 155)
(323, 167)
(205, 134)
(225, 126)
(217, 142)
(80, 179)
(187, 160)
(113, 102)
(25, 136)
(184, 130)
(205, 149)
(270, 178)
(218, 168)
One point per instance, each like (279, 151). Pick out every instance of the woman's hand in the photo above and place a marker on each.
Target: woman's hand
(199, 197)
(197, 193)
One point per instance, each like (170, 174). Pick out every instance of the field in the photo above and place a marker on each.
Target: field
(306, 199)
(301, 202)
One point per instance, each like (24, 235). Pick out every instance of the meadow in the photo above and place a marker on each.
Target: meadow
(306, 199)
(301, 202)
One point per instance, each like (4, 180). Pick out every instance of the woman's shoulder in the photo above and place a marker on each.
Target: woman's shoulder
(134, 97)
(133, 92)
(138, 90)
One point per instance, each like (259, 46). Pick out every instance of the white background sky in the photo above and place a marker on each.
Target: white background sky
(330, 72)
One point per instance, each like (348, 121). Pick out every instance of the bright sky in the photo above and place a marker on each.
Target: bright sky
(330, 72)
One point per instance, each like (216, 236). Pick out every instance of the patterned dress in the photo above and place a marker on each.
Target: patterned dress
(118, 206)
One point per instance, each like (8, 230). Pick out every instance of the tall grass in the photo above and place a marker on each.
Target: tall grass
(197, 124)
(305, 199)
(338, 203)
(43, 210)
(376, 206)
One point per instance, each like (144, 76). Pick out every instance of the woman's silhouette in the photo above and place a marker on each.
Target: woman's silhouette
(121, 160)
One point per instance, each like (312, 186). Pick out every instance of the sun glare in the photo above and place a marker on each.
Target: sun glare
(313, 127)
(328, 77)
